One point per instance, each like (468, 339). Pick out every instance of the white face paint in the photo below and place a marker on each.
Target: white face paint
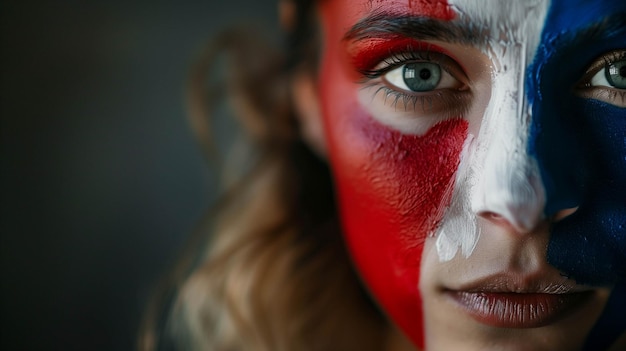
(497, 178)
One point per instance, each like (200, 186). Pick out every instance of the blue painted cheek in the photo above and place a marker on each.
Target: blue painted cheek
(581, 149)
(590, 245)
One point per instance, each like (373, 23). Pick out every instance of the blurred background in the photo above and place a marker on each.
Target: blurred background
(101, 180)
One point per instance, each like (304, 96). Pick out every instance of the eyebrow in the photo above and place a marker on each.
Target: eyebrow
(418, 27)
(381, 24)
(610, 27)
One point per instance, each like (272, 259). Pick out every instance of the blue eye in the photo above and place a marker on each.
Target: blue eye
(421, 77)
(605, 80)
(613, 75)
(616, 74)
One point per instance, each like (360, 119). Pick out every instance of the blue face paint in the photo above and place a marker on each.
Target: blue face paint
(578, 142)
(579, 146)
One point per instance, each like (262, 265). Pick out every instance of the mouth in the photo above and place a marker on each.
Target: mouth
(501, 302)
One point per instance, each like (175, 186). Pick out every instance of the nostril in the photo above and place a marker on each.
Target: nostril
(515, 224)
(492, 216)
(562, 214)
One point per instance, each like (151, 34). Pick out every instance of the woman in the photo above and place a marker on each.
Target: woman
(477, 155)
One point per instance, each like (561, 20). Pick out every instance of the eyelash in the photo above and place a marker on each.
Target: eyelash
(411, 100)
(608, 94)
(424, 100)
(395, 60)
(613, 57)
(600, 64)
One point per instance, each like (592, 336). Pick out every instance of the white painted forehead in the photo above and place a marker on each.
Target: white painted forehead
(517, 22)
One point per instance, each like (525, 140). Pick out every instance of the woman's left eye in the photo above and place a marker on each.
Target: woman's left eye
(421, 77)
(613, 75)
(605, 80)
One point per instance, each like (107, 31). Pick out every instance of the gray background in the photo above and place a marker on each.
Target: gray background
(100, 178)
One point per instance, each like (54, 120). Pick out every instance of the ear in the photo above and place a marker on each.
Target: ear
(306, 103)
(304, 90)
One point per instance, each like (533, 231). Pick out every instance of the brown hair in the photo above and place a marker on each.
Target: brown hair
(274, 274)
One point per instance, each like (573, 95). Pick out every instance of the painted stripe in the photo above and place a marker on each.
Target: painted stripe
(496, 174)
(578, 144)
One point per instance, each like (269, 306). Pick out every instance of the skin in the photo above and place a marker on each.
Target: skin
(403, 168)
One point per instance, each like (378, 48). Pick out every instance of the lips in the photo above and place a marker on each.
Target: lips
(518, 310)
(499, 302)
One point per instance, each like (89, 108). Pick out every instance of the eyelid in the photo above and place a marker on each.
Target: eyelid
(599, 64)
(600, 92)
(397, 60)
(366, 54)
(413, 112)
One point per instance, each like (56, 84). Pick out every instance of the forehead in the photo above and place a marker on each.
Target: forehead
(500, 20)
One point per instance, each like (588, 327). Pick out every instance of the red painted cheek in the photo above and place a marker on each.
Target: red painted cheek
(392, 190)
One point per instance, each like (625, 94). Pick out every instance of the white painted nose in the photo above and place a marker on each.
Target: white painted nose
(508, 184)
(511, 193)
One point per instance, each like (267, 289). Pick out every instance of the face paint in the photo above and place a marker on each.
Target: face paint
(474, 158)
(498, 176)
(391, 185)
(578, 140)
(580, 144)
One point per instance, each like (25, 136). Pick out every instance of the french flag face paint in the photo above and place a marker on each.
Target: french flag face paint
(479, 154)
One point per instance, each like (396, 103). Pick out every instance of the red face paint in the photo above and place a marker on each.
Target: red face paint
(392, 187)
(437, 9)
(367, 53)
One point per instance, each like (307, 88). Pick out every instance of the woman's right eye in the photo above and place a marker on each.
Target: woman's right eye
(421, 77)
(416, 89)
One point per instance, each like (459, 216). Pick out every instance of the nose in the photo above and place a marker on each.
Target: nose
(512, 195)
(508, 186)
(519, 226)
(562, 214)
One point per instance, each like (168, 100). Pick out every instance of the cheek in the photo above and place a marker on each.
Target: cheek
(392, 191)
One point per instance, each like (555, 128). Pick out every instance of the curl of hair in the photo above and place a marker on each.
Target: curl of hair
(274, 275)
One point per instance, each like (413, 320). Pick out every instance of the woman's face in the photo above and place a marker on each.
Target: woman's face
(479, 153)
